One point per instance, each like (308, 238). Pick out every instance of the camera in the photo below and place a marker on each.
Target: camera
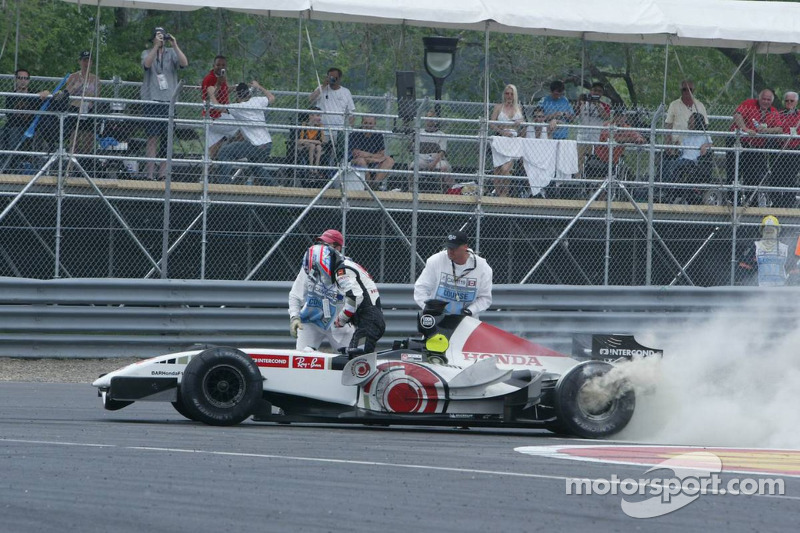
(593, 97)
(222, 72)
(332, 80)
(167, 37)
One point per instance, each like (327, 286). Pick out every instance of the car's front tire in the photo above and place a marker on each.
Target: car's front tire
(220, 387)
(591, 407)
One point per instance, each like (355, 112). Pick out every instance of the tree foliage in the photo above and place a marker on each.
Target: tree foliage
(52, 32)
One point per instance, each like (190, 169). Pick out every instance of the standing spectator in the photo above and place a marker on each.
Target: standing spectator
(334, 99)
(432, 155)
(784, 172)
(258, 142)
(510, 117)
(368, 150)
(217, 77)
(309, 322)
(81, 84)
(19, 116)
(362, 301)
(456, 275)
(557, 107)
(755, 118)
(591, 111)
(680, 110)
(160, 64)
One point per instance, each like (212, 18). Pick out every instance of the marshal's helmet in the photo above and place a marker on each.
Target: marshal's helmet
(770, 221)
(332, 237)
(320, 263)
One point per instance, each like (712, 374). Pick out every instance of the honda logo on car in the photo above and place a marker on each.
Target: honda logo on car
(272, 361)
(309, 363)
(504, 358)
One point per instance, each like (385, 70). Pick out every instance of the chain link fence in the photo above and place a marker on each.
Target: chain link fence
(90, 190)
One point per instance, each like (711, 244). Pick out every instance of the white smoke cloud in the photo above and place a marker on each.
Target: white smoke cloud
(724, 381)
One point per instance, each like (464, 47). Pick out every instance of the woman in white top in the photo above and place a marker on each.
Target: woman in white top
(510, 117)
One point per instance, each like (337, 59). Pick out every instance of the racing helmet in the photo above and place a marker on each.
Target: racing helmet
(320, 263)
(332, 237)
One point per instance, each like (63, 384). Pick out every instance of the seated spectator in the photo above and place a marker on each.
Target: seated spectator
(312, 139)
(250, 112)
(368, 150)
(695, 146)
(787, 162)
(557, 107)
(541, 127)
(621, 137)
(19, 117)
(432, 155)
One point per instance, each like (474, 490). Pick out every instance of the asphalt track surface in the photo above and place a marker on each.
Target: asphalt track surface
(68, 465)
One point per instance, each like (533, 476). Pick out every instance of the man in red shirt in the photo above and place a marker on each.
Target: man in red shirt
(784, 170)
(755, 118)
(217, 77)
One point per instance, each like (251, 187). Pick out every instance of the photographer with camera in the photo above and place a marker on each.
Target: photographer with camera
(217, 77)
(591, 111)
(333, 100)
(160, 64)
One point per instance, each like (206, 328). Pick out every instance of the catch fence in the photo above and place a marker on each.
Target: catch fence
(605, 205)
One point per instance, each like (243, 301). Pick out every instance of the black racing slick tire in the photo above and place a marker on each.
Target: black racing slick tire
(591, 407)
(221, 387)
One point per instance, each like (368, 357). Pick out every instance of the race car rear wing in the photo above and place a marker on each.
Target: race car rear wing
(610, 347)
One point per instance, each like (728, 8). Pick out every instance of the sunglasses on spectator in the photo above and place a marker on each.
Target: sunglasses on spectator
(684, 89)
(23, 77)
(789, 100)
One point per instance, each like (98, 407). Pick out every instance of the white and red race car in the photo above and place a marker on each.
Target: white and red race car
(460, 372)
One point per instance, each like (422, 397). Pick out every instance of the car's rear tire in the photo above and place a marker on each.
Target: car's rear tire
(221, 387)
(589, 409)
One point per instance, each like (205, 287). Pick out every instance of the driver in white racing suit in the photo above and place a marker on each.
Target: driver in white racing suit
(313, 307)
(362, 302)
(458, 276)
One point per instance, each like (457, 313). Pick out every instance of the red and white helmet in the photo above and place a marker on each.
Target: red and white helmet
(320, 263)
(332, 237)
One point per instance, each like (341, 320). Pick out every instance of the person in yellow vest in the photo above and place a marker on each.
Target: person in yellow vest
(768, 257)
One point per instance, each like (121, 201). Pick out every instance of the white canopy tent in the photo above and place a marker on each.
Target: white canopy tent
(772, 27)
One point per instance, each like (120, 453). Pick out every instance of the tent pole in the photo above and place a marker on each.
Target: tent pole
(484, 134)
(583, 60)
(753, 71)
(16, 42)
(297, 94)
(666, 72)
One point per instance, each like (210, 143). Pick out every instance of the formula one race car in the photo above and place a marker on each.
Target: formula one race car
(460, 372)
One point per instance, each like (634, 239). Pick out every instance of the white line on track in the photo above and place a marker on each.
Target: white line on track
(325, 460)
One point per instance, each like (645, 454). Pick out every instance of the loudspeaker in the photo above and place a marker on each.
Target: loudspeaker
(406, 94)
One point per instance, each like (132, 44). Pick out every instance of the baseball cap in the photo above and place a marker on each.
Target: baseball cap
(331, 236)
(456, 239)
(86, 54)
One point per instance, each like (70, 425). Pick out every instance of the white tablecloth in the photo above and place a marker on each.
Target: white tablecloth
(543, 159)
